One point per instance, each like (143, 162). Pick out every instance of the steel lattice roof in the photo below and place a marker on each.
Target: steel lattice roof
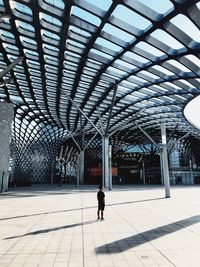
(149, 49)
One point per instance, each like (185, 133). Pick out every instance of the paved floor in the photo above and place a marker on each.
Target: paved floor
(57, 226)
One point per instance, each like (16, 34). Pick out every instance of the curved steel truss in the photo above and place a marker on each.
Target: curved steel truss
(150, 50)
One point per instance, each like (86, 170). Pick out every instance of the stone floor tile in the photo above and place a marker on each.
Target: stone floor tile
(141, 227)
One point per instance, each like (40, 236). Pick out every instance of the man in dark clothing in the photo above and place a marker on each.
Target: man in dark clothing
(101, 202)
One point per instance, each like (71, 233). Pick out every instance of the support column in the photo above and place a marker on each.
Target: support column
(82, 166)
(6, 117)
(82, 151)
(191, 172)
(78, 172)
(52, 170)
(110, 167)
(161, 169)
(164, 158)
(105, 161)
(143, 173)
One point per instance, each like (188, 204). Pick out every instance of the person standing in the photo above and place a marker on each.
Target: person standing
(101, 203)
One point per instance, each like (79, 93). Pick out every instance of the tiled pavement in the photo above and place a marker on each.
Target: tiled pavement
(56, 226)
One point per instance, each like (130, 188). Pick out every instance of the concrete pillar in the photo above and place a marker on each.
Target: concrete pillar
(6, 117)
(164, 158)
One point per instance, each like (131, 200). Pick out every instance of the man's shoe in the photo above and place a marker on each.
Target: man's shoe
(102, 219)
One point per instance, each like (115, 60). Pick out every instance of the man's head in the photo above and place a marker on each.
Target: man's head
(100, 187)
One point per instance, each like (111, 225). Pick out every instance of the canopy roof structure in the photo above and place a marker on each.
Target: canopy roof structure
(149, 49)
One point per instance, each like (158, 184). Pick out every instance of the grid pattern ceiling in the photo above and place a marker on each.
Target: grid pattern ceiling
(150, 50)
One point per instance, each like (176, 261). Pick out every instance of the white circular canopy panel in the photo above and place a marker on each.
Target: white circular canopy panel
(191, 112)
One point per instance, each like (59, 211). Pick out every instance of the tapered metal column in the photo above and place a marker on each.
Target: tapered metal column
(164, 158)
(82, 165)
(82, 151)
(105, 151)
(103, 162)
(110, 167)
